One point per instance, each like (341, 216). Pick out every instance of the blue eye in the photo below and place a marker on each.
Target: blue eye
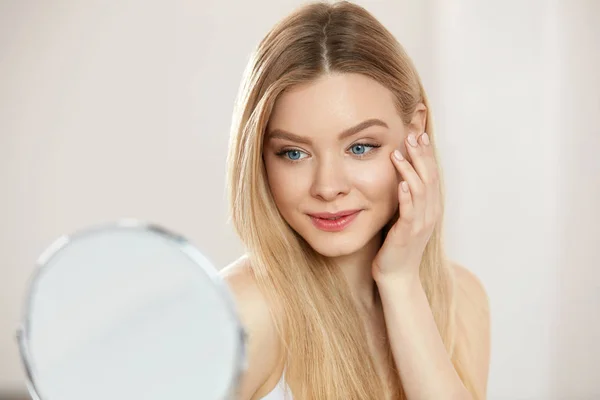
(291, 154)
(360, 149)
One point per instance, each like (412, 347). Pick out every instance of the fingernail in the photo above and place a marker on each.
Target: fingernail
(425, 139)
(412, 140)
(398, 155)
(404, 186)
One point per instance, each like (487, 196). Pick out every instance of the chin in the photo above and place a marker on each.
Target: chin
(330, 250)
(328, 245)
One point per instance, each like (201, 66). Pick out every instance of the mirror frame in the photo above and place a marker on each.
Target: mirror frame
(179, 242)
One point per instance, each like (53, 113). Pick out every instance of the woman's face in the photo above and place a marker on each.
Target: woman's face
(313, 167)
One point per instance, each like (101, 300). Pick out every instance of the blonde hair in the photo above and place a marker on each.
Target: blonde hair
(324, 340)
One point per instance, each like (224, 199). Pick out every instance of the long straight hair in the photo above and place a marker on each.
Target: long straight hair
(324, 339)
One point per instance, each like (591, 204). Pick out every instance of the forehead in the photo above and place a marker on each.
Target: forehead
(332, 103)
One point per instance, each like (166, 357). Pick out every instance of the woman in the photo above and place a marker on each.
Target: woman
(335, 191)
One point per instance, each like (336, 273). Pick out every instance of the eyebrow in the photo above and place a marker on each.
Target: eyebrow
(281, 134)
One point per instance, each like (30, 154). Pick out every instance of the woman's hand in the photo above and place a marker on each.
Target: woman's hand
(420, 208)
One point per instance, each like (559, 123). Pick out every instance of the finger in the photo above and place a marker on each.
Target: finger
(411, 205)
(432, 181)
(411, 175)
(423, 158)
(406, 209)
(419, 155)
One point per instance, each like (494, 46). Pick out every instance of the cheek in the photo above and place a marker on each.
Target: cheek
(378, 180)
(285, 185)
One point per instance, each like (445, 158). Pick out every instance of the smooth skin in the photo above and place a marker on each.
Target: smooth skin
(305, 145)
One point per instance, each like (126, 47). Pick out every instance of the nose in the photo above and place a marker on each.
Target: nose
(330, 180)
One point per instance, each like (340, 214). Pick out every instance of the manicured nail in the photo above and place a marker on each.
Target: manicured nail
(398, 155)
(425, 138)
(404, 186)
(412, 140)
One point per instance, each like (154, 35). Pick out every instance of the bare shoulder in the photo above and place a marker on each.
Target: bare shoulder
(473, 312)
(263, 351)
(471, 290)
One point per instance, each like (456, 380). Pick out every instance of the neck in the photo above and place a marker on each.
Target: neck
(357, 270)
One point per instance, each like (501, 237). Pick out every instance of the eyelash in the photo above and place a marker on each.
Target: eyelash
(285, 151)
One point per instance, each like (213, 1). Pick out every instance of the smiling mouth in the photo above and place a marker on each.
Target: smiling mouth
(335, 223)
(333, 216)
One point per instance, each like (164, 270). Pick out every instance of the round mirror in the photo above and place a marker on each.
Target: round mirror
(129, 311)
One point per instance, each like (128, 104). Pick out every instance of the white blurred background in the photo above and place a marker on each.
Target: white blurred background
(122, 109)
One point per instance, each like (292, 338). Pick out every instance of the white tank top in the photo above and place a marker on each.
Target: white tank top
(281, 391)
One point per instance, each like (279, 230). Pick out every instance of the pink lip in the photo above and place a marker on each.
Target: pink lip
(343, 219)
(333, 215)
